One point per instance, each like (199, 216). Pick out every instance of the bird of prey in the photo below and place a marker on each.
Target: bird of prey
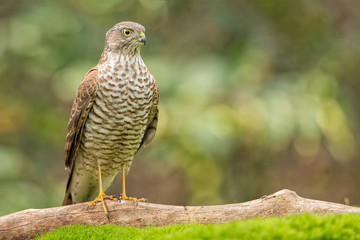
(115, 112)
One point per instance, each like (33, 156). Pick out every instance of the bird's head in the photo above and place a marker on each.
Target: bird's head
(126, 38)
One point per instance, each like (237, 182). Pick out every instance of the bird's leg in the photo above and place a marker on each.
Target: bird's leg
(123, 194)
(102, 195)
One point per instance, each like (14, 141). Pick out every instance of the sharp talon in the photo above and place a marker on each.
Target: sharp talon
(101, 198)
(143, 200)
(132, 199)
(114, 196)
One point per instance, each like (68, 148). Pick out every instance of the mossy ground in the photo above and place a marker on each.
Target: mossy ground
(305, 226)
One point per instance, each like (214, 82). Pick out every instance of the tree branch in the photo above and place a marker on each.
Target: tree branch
(32, 222)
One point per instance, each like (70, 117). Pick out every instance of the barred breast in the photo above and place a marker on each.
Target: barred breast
(119, 116)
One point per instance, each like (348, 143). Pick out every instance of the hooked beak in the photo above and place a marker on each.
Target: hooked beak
(142, 38)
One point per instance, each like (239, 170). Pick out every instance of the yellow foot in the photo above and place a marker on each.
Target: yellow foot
(134, 200)
(101, 199)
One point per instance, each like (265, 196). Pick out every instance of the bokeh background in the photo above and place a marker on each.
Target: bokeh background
(256, 96)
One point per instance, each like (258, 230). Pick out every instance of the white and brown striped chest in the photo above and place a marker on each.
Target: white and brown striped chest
(120, 113)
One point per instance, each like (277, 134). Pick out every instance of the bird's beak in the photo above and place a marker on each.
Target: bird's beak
(142, 38)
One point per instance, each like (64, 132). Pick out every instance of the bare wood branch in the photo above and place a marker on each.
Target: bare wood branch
(32, 222)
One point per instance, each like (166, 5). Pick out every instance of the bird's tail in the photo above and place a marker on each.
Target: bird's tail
(67, 198)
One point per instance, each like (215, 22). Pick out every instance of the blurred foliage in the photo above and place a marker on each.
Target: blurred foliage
(256, 96)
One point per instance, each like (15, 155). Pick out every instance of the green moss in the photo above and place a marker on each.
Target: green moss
(305, 226)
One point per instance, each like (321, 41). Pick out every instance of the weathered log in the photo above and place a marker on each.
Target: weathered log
(32, 222)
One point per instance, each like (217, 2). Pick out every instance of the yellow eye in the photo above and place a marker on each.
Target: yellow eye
(126, 32)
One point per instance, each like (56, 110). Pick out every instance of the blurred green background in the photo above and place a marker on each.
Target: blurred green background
(256, 96)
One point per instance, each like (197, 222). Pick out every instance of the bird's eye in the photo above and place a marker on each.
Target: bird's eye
(126, 32)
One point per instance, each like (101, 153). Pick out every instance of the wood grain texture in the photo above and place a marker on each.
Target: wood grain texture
(32, 222)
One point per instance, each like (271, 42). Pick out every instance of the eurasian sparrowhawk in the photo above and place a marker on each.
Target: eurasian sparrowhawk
(115, 113)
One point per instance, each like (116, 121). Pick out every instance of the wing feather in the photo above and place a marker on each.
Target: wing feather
(152, 124)
(82, 104)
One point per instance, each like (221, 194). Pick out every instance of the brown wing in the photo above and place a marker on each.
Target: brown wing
(82, 104)
(152, 124)
(79, 112)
